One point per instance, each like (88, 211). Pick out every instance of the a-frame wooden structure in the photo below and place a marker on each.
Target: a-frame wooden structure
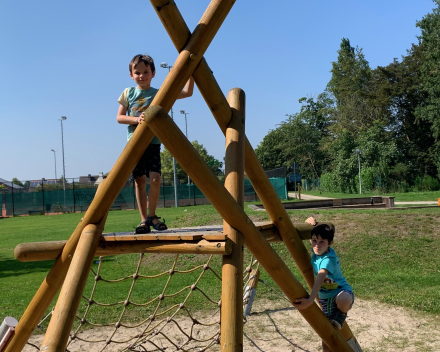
(73, 264)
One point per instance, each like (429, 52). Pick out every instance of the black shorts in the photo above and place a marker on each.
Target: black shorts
(328, 305)
(150, 162)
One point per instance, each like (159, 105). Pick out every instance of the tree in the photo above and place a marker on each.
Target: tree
(167, 161)
(17, 182)
(350, 74)
(430, 44)
(298, 139)
(398, 90)
(349, 85)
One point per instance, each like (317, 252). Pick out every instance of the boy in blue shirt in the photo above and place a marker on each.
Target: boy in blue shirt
(134, 101)
(335, 294)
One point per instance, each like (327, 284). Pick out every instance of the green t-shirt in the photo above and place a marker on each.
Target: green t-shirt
(137, 101)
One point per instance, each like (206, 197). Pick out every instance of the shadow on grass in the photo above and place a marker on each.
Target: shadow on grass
(13, 267)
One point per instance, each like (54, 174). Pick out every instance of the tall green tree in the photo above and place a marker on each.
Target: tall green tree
(430, 74)
(298, 139)
(167, 161)
(398, 90)
(349, 84)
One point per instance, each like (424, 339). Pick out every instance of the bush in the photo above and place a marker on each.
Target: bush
(329, 183)
(427, 183)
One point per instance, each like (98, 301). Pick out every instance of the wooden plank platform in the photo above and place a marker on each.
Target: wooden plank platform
(209, 233)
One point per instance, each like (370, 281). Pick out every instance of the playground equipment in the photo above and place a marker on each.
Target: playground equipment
(71, 267)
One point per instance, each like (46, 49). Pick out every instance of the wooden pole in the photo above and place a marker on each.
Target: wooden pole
(95, 213)
(175, 141)
(179, 33)
(173, 84)
(39, 251)
(232, 269)
(57, 334)
(50, 250)
(213, 95)
(193, 50)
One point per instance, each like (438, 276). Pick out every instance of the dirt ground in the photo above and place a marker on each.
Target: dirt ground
(278, 327)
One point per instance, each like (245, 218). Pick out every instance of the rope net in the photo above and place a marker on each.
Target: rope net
(152, 309)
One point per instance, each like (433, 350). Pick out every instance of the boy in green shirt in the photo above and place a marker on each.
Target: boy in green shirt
(133, 102)
(335, 294)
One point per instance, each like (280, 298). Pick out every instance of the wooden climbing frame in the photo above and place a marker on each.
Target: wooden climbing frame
(73, 263)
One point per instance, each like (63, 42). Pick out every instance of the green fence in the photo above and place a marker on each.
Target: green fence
(25, 202)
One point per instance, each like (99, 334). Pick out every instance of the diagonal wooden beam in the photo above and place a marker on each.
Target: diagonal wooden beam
(173, 84)
(179, 146)
(96, 212)
(179, 33)
(193, 51)
(204, 78)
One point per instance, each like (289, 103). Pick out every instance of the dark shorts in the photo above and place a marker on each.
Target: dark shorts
(150, 162)
(328, 305)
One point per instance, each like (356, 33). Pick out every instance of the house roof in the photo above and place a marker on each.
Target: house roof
(10, 184)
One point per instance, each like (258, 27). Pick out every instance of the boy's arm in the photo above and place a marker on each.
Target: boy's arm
(188, 90)
(312, 221)
(123, 118)
(304, 303)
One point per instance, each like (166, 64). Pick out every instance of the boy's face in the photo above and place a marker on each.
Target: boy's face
(320, 246)
(142, 75)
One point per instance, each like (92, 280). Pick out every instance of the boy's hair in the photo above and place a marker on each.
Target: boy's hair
(146, 59)
(325, 231)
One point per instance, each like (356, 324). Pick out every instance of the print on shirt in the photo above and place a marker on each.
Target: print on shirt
(139, 108)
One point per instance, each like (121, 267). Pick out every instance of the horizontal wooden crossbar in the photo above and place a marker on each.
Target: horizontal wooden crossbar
(193, 240)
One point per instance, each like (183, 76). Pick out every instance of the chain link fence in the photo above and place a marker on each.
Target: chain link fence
(50, 196)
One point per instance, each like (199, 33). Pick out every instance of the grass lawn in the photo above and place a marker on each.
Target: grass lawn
(399, 197)
(387, 256)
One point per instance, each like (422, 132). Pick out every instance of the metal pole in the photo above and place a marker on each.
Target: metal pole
(186, 134)
(176, 197)
(360, 180)
(64, 167)
(42, 192)
(73, 193)
(359, 152)
(55, 160)
(163, 191)
(13, 206)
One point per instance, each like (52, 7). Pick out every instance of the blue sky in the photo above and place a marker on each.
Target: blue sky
(71, 58)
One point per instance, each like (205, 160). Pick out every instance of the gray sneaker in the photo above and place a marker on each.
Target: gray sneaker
(338, 319)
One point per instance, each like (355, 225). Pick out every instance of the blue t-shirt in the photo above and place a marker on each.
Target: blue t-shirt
(334, 282)
(137, 101)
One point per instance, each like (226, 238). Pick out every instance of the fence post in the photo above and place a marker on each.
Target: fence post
(42, 192)
(134, 193)
(194, 192)
(13, 205)
(163, 190)
(73, 194)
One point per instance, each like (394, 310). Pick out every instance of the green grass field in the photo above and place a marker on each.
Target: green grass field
(399, 197)
(387, 256)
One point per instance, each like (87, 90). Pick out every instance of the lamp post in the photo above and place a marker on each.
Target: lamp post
(176, 197)
(186, 134)
(186, 124)
(64, 167)
(55, 160)
(359, 152)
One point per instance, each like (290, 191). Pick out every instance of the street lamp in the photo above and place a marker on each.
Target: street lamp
(186, 124)
(55, 160)
(64, 168)
(176, 197)
(186, 132)
(359, 152)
